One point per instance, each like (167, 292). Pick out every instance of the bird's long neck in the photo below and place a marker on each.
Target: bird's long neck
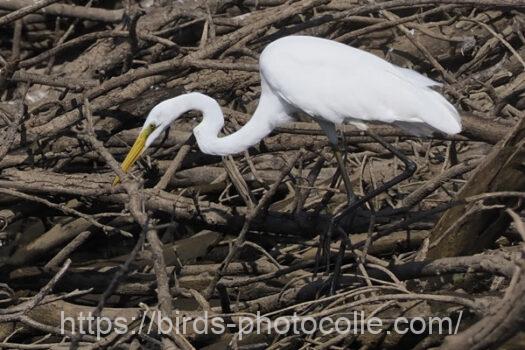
(206, 133)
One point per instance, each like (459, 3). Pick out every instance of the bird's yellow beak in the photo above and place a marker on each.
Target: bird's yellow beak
(135, 151)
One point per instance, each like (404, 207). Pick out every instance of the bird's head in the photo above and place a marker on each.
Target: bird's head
(165, 113)
(157, 121)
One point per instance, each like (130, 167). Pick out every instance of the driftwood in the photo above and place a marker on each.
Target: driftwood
(473, 227)
(192, 235)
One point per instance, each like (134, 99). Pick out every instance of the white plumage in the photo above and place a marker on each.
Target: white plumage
(335, 82)
(329, 81)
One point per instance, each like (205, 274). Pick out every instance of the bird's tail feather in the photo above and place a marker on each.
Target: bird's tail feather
(441, 114)
(415, 78)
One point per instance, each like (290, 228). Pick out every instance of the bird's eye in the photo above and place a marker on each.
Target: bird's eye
(152, 127)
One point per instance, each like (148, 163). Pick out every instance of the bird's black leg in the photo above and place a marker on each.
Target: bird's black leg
(336, 274)
(331, 133)
(326, 237)
(351, 198)
(350, 195)
(343, 239)
(410, 168)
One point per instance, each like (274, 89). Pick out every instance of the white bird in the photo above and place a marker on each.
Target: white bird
(330, 81)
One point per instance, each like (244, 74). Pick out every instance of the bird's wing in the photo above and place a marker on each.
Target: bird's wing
(336, 82)
(415, 77)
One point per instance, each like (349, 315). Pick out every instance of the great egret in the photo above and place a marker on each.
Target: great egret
(329, 81)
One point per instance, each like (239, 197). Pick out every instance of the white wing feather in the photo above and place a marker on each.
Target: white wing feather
(416, 78)
(336, 82)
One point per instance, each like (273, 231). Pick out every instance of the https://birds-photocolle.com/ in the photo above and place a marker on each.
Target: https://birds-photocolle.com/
(262, 174)
(331, 82)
